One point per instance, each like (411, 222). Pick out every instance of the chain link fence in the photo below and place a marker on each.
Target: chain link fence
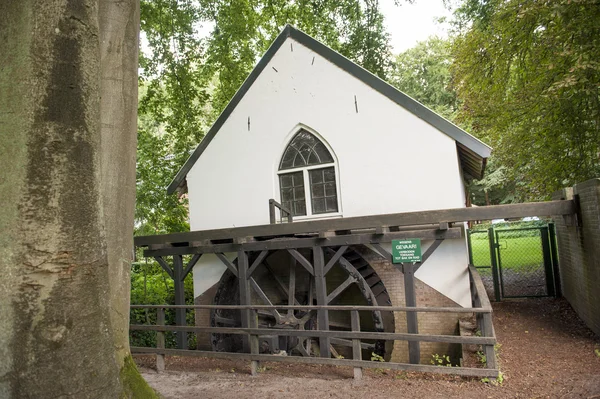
(514, 262)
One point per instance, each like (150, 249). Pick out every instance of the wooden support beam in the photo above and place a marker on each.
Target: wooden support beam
(414, 348)
(302, 260)
(164, 265)
(306, 242)
(383, 252)
(191, 265)
(292, 285)
(228, 263)
(434, 245)
(335, 258)
(257, 262)
(321, 292)
(548, 208)
(245, 298)
(180, 313)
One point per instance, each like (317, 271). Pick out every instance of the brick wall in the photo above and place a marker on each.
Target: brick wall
(203, 317)
(429, 323)
(579, 253)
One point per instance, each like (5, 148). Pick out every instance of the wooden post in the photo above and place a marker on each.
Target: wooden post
(554, 252)
(356, 348)
(249, 317)
(160, 340)
(488, 331)
(180, 319)
(412, 324)
(547, 255)
(272, 217)
(494, 264)
(321, 293)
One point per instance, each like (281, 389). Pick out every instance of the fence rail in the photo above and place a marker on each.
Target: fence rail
(481, 307)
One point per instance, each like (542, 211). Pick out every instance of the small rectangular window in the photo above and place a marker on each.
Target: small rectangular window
(292, 192)
(323, 193)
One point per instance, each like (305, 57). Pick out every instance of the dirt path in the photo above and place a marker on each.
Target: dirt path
(546, 352)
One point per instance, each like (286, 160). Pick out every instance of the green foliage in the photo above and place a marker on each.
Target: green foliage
(198, 53)
(423, 72)
(529, 81)
(376, 358)
(440, 360)
(150, 285)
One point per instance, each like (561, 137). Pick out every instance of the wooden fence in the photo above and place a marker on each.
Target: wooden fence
(481, 307)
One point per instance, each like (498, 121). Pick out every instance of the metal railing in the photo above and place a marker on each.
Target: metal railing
(282, 210)
(481, 307)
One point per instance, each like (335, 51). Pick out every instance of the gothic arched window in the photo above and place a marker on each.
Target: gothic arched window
(306, 159)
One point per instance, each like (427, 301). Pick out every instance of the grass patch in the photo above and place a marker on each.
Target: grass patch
(516, 253)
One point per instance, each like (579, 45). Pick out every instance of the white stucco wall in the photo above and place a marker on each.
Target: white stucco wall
(388, 159)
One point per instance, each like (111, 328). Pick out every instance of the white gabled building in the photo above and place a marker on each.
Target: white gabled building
(327, 139)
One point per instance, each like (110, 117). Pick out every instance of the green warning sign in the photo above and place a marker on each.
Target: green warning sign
(406, 250)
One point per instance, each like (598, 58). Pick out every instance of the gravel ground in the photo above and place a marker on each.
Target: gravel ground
(546, 352)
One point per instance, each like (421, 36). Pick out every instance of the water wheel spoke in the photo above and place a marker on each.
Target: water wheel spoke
(292, 286)
(264, 298)
(280, 283)
(348, 342)
(341, 288)
(225, 320)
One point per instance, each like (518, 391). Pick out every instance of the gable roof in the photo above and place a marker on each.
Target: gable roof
(473, 153)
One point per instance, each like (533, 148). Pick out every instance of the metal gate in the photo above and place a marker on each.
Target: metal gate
(516, 262)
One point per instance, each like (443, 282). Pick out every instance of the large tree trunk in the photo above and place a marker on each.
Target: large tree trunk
(68, 102)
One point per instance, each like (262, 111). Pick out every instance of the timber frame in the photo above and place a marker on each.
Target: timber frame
(252, 244)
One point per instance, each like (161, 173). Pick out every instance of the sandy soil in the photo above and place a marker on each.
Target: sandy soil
(546, 352)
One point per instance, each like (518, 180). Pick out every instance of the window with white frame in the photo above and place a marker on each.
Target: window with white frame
(307, 180)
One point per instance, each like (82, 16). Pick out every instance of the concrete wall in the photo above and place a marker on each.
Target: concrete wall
(579, 253)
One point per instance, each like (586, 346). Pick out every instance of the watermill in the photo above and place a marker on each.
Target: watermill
(280, 278)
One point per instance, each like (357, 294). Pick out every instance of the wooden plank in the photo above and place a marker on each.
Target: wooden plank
(302, 260)
(334, 259)
(383, 252)
(349, 343)
(383, 336)
(296, 242)
(548, 208)
(180, 313)
(420, 368)
(414, 348)
(426, 309)
(356, 346)
(257, 262)
(264, 298)
(321, 293)
(164, 265)
(245, 299)
(292, 286)
(228, 263)
(335, 293)
(191, 265)
(480, 289)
